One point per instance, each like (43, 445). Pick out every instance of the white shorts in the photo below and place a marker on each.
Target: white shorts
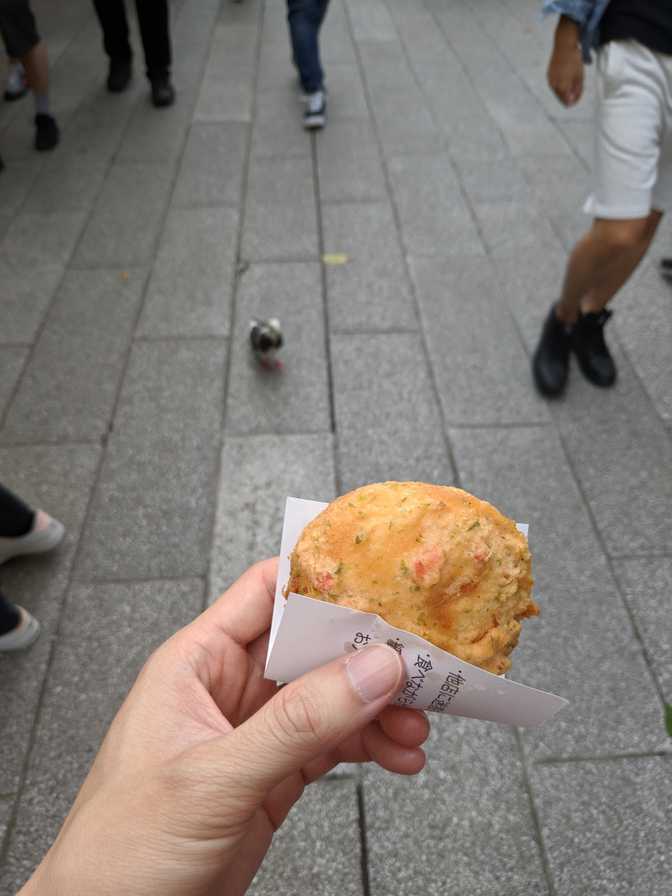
(633, 136)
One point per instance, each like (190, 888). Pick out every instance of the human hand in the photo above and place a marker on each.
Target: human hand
(205, 758)
(565, 70)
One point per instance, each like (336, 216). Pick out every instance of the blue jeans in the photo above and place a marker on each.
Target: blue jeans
(305, 19)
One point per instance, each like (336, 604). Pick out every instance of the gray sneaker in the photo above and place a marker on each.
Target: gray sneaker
(315, 116)
(37, 541)
(25, 633)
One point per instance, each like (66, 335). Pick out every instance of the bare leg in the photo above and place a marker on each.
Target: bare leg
(619, 273)
(36, 64)
(602, 261)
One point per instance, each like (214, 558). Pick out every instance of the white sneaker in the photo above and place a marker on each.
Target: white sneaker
(37, 541)
(315, 115)
(25, 634)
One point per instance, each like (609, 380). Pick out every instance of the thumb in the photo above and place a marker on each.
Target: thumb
(309, 717)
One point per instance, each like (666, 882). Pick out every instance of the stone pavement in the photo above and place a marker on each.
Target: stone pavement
(130, 262)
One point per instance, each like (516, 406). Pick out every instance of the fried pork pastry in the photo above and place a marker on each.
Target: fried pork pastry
(430, 559)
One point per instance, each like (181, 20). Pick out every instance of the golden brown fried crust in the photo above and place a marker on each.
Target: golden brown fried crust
(431, 559)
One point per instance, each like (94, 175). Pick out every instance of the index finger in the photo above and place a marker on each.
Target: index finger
(245, 609)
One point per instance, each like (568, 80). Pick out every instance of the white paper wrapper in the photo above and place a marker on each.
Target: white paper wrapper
(306, 633)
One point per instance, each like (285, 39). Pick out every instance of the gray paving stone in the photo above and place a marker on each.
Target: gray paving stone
(225, 98)
(280, 180)
(435, 219)
(644, 323)
(370, 22)
(294, 399)
(375, 377)
(448, 91)
(275, 63)
(385, 66)
(66, 184)
(347, 99)
(157, 136)
(39, 239)
(473, 138)
(617, 437)
(647, 585)
(464, 825)
(107, 633)
(12, 361)
(480, 365)
(277, 129)
(414, 131)
(98, 124)
(25, 294)
(604, 800)
(580, 136)
(148, 517)
(212, 165)
(371, 291)
(123, 227)
(349, 164)
(15, 184)
(332, 864)
(6, 806)
(280, 230)
(191, 287)
(258, 473)
(515, 228)
(582, 646)
(5, 221)
(69, 386)
(485, 182)
(559, 183)
(336, 46)
(58, 479)
(529, 288)
(420, 35)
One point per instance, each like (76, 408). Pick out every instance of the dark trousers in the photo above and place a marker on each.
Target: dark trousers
(154, 30)
(305, 19)
(16, 518)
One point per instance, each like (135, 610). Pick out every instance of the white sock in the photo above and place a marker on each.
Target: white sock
(42, 104)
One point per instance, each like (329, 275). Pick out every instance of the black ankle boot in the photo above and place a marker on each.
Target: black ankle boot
(119, 75)
(591, 350)
(163, 92)
(550, 363)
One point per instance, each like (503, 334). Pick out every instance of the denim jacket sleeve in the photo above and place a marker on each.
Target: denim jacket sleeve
(587, 13)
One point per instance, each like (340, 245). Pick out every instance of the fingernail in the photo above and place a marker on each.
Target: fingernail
(374, 671)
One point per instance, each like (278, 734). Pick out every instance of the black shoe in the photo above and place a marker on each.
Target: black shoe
(163, 92)
(119, 75)
(47, 133)
(591, 350)
(550, 363)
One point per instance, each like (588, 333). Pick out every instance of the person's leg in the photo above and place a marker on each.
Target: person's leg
(305, 18)
(602, 262)
(16, 517)
(154, 22)
(630, 112)
(112, 17)
(19, 32)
